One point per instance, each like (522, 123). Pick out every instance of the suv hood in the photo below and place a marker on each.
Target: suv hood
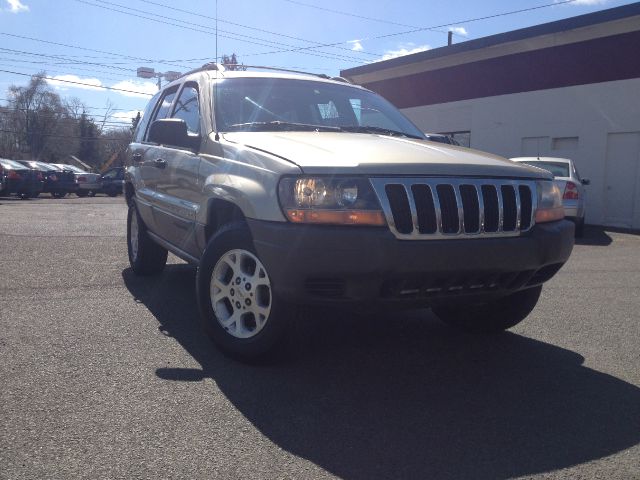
(358, 153)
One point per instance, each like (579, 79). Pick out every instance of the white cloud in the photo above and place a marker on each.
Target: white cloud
(405, 49)
(62, 82)
(584, 2)
(459, 31)
(356, 45)
(142, 89)
(15, 6)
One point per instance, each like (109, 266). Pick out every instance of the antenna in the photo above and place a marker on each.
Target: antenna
(216, 31)
(215, 85)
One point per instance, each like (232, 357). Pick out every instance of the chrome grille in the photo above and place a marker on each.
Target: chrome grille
(424, 208)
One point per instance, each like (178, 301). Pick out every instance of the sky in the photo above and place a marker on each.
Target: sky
(103, 42)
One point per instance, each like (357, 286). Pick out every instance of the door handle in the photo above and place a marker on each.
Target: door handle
(160, 163)
(137, 157)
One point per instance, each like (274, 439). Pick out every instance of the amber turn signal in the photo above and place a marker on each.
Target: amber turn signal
(549, 214)
(337, 217)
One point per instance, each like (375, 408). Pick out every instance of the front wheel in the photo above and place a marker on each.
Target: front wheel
(491, 317)
(146, 257)
(238, 307)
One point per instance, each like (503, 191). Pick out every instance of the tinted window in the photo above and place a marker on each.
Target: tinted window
(165, 104)
(558, 169)
(144, 121)
(187, 108)
(111, 174)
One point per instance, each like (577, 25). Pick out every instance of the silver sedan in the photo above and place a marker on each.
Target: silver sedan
(568, 180)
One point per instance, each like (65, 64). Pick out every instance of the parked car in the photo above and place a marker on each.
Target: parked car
(440, 138)
(88, 184)
(301, 189)
(58, 181)
(112, 181)
(22, 180)
(566, 176)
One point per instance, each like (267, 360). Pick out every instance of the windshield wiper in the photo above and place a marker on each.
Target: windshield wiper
(380, 130)
(278, 125)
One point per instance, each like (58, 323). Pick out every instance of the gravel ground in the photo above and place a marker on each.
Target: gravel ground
(105, 375)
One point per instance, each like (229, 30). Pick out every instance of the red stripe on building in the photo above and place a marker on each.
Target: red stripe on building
(593, 61)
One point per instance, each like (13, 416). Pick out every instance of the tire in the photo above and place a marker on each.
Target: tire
(580, 228)
(256, 319)
(92, 193)
(112, 192)
(492, 317)
(35, 194)
(146, 257)
(82, 193)
(59, 194)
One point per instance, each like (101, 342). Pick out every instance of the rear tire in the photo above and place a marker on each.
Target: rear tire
(492, 317)
(146, 257)
(82, 193)
(238, 308)
(59, 194)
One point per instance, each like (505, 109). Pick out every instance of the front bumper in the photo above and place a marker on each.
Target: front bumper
(368, 265)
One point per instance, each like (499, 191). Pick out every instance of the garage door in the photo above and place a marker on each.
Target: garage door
(621, 185)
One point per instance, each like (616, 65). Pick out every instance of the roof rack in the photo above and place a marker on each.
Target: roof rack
(221, 67)
(207, 66)
(279, 69)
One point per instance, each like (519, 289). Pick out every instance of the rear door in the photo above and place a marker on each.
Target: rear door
(178, 189)
(137, 152)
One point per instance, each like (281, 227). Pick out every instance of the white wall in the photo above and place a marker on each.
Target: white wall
(556, 117)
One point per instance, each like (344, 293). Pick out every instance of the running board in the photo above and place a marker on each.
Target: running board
(173, 249)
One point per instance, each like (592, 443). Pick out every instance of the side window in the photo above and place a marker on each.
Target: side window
(110, 174)
(187, 108)
(141, 129)
(165, 104)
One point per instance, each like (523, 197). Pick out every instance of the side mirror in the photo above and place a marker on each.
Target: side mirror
(585, 181)
(171, 131)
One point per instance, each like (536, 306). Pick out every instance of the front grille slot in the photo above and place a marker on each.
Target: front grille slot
(400, 208)
(424, 208)
(471, 208)
(510, 208)
(491, 208)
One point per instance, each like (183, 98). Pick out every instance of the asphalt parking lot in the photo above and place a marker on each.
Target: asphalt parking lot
(105, 375)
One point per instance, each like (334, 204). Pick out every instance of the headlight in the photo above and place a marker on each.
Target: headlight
(549, 202)
(330, 200)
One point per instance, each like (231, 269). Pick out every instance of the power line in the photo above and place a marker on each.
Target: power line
(90, 108)
(78, 83)
(262, 30)
(49, 42)
(354, 15)
(421, 29)
(57, 72)
(59, 57)
(331, 56)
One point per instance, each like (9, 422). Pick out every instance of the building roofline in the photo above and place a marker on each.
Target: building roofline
(557, 26)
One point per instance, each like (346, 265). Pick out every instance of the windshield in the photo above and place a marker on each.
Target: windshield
(558, 169)
(73, 168)
(11, 164)
(267, 104)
